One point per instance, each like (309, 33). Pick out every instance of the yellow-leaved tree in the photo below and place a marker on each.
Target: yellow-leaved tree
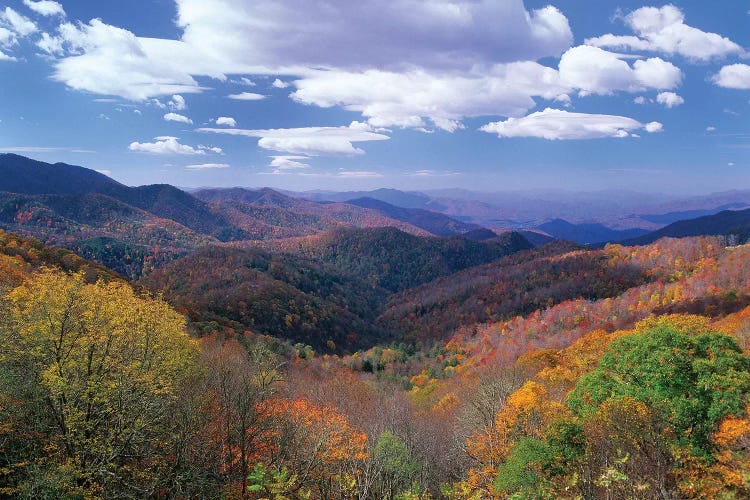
(92, 370)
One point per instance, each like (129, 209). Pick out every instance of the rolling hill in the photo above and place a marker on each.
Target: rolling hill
(395, 260)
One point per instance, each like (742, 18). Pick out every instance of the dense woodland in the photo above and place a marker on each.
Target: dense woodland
(636, 386)
(287, 349)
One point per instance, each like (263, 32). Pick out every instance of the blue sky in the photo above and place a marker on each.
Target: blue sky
(488, 95)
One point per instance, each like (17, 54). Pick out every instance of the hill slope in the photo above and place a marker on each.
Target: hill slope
(394, 260)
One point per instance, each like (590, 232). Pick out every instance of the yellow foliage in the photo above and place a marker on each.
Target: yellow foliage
(107, 360)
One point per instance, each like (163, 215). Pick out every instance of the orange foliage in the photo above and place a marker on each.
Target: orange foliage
(526, 413)
(320, 438)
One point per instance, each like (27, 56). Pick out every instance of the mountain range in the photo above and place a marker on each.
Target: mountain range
(337, 271)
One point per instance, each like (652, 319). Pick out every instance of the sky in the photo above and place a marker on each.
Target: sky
(489, 95)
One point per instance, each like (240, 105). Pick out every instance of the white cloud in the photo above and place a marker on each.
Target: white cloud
(6, 57)
(174, 117)
(45, 7)
(288, 162)
(107, 60)
(388, 34)
(227, 121)
(554, 124)
(207, 166)
(664, 30)
(7, 37)
(177, 103)
(407, 99)
(670, 99)
(247, 96)
(50, 44)
(432, 173)
(167, 145)
(653, 127)
(21, 25)
(309, 141)
(357, 174)
(598, 71)
(279, 84)
(640, 100)
(224, 37)
(733, 76)
(243, 81)
(710, 129)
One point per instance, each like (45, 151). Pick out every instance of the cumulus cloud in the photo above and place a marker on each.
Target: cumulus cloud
(20, 25)
(174, 117)
(286, 162)
(207, 166)
(243, 81)
(222, 37)
(6, 57)
(247, 96)
(653, 127)
(405, 99)
(45, 7)
(554, 124)
(280, 84)
(167, 145)
(388, 34)
(598, 71)
(664, 30)
(177, 103)
(7, 37)
(108, 60)
(309, 141)
(227, 121)
(670, 99)
(733, 76)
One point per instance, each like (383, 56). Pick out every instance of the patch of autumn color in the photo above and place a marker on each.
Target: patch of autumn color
(738, 326)
(732, 430)
(526, 413)
(12, 270)
(572, 363)
(693, 323)
(319, 440)
(447, 404)
(729, 474)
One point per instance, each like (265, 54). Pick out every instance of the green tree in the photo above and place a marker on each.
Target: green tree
(691, 381)
(397, 467)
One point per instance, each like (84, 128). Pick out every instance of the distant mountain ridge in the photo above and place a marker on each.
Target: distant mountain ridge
(734, 223)
(23, 175)
(19, 174)
(433, 222)
(587, 234)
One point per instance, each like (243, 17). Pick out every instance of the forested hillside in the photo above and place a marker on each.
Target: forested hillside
(107, 392)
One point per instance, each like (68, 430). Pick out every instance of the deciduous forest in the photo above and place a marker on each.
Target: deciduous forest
(556, 372)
